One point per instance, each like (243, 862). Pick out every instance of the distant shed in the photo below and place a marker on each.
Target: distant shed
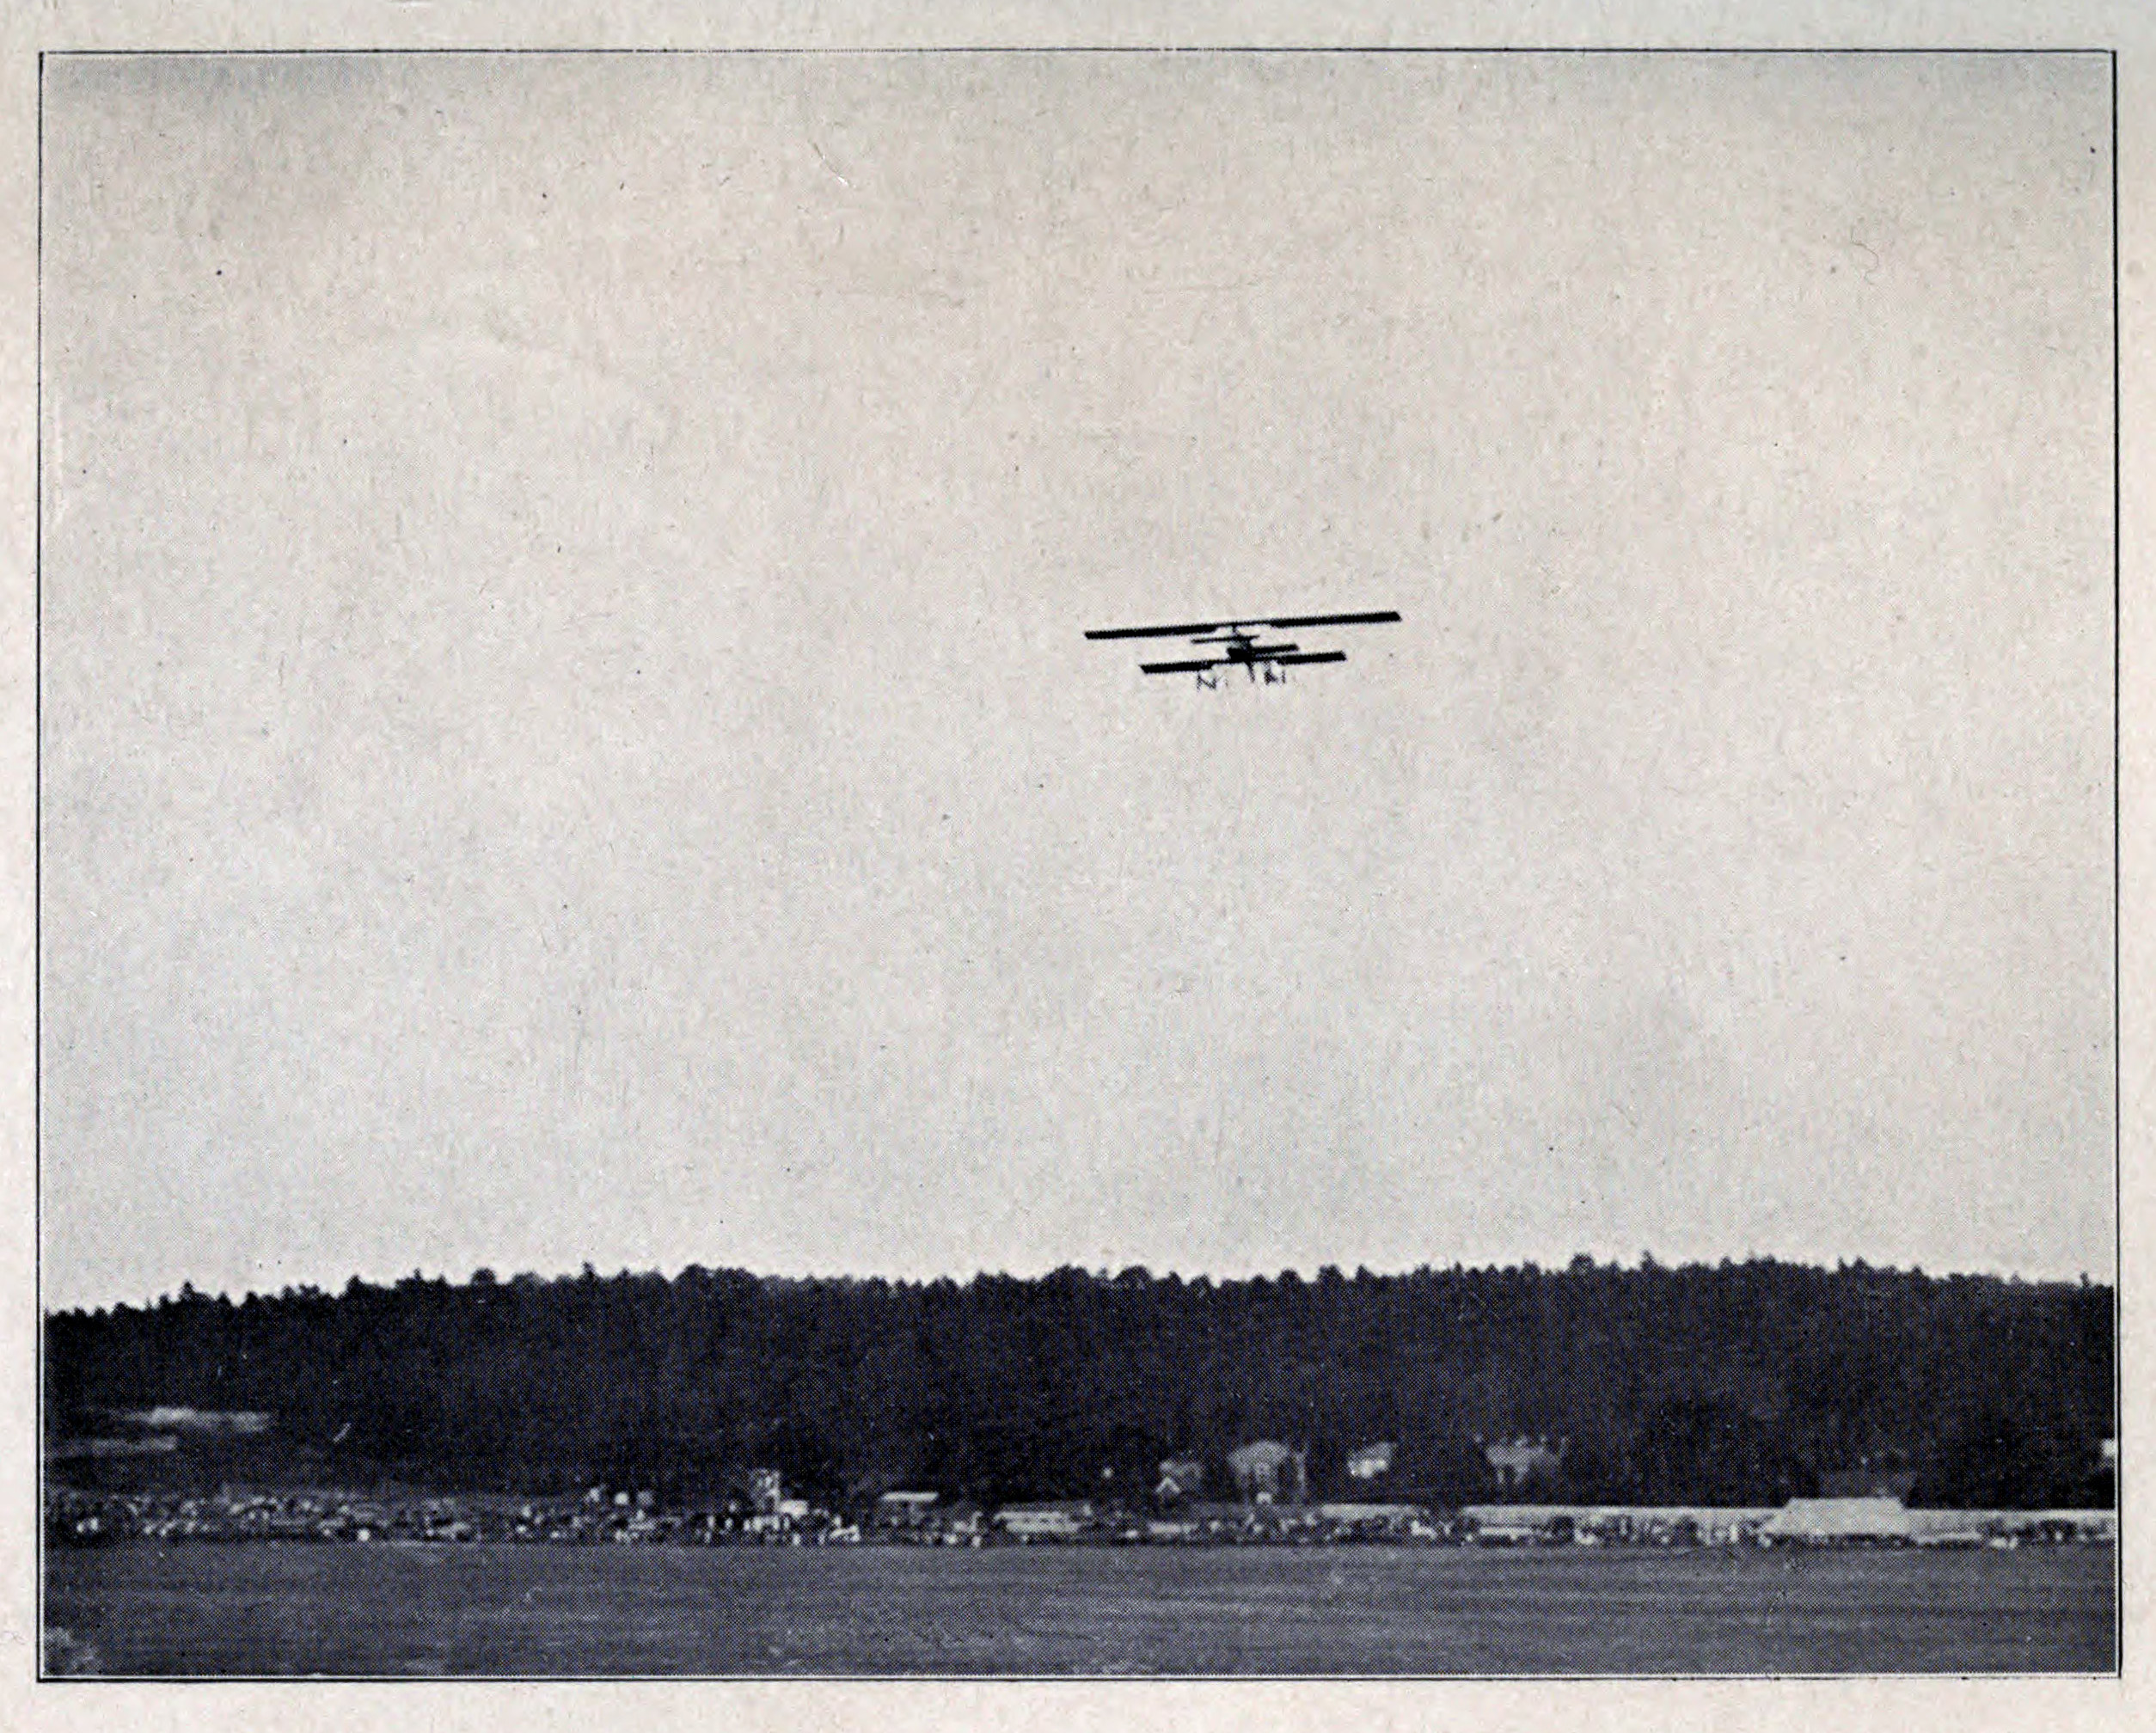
(1845, 1521)
(1370, 1462)
(904, 1509)
(1051, 1521)
(1268, 1471)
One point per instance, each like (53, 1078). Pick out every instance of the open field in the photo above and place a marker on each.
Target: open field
(492, 1610)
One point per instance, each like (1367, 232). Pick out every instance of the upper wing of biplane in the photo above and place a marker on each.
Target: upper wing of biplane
(1284, 623)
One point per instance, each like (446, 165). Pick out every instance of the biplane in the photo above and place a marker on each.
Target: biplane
(1241, 646)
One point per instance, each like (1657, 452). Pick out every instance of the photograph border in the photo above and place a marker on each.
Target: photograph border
(788, 1684)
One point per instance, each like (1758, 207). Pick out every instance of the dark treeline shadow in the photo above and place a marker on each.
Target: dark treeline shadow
(1739, 1384)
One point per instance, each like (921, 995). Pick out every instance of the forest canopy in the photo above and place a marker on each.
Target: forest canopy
(1736, 1384)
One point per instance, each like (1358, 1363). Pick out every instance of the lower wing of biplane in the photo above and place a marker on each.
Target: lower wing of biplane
(1240, 644)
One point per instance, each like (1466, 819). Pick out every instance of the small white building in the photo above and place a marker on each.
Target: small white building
(1268, 1471)
(1829, 1521)
(1046, 1522)
(1371, 1461)
(904, 1509)
(1516, 1461)
(1181, 1477)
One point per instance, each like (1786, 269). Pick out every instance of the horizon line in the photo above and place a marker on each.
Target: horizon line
(1580, 1263)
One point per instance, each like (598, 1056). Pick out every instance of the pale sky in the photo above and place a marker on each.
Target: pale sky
(567, 734)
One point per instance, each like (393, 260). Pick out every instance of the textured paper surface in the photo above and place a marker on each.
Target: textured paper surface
(1163, 537)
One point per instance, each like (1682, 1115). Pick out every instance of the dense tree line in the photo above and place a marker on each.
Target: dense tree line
(1745, 1383)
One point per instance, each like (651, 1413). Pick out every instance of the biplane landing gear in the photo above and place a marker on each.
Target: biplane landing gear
(1256, 670)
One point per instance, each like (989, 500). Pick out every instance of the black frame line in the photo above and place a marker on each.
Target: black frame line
(37, 858)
